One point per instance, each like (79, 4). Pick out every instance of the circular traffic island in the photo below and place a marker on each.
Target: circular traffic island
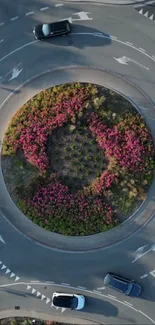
(78, 159)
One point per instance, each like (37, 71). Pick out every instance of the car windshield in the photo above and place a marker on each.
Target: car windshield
(46, 29)
(65, 301)
(74, 302)
(130, 286)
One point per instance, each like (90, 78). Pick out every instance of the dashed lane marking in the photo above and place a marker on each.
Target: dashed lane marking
(82, 288)
(1, 24)
(65, 284)
(44, 8)
(29, 13)
(112, 296)
(142, 49)
(14, 18)
(143, 276)
(101, 288)
(128, 303)
(129, 43)
(59, 5)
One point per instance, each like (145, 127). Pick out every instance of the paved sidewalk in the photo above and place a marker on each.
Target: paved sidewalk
(115, 2)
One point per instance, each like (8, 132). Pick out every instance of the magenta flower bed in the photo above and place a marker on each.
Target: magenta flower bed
(126, 144)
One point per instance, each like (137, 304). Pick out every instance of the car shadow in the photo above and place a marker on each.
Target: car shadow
(100, 307)
(81, 37)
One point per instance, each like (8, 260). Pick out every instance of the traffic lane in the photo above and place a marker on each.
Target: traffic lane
(33, 262)
(98, 307)
(104, 49)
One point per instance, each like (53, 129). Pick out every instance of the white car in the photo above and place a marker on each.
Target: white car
(68, 300)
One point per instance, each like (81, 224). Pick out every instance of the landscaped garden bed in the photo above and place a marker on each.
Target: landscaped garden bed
(78, 159)
(28, 321)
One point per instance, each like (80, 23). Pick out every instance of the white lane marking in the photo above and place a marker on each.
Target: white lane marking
(124, 60)
(12, 275)
(82, 288)
(18, 49)
(50, 282)
(63, 309)
(83, 16)
(142, 49)
(15, 73)
(33, 290)
(43, 297)
(65, 284)
(59, 5)
(34, 281)
(7, 271)
(153, 273)
(87, 291)
(128, 303)
(47, 301)
(143, 276)
(29, 13)
(114, 37)
(146, 316)
(112, 296)
(14, 18)
(44, 8)
(153, 246)
(1, 24)
(1, 42)
(3, 267)
(17, 278)
(1, 239)
(38, 294)
(28, 287)
(128, 43)
(101, 288)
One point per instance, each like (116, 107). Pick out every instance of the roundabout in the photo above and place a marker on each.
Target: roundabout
(21, 253)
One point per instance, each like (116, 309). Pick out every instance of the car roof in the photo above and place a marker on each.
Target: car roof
(63, 301)
(118, 282)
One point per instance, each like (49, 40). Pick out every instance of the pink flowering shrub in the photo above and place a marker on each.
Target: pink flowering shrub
(105, 182)
(127, 141)
(53, 203)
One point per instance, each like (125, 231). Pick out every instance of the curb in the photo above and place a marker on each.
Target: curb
(11, 313)
(110, 2)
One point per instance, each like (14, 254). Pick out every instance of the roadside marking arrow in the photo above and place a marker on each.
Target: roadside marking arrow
(43, 297)
(28, 287)
(122, 60)
(33, 290)
(38, 294)
(1, 239)
(7, 271)
(47, 300)
(15, 73)
(153, 273)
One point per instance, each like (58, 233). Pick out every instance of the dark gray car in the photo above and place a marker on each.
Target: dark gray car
(53, 29)
(126, 286)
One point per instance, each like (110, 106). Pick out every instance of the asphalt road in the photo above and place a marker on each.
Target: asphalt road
(110, 34)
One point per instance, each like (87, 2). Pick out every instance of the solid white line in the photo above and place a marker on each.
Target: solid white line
(83, 288)
(112, 296)
(1, 24)
(19, 48)
(101, 288)
(44, 8)
(129, 43)
(59, 5)
(34, 281)
(96, 291)
(143, 276)
(1, 40)
(114, 37)
(142, 49)
(50, 282)
(29, 13)
(65, 284)
(14, 18)
(146, 316)
(128, 303)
